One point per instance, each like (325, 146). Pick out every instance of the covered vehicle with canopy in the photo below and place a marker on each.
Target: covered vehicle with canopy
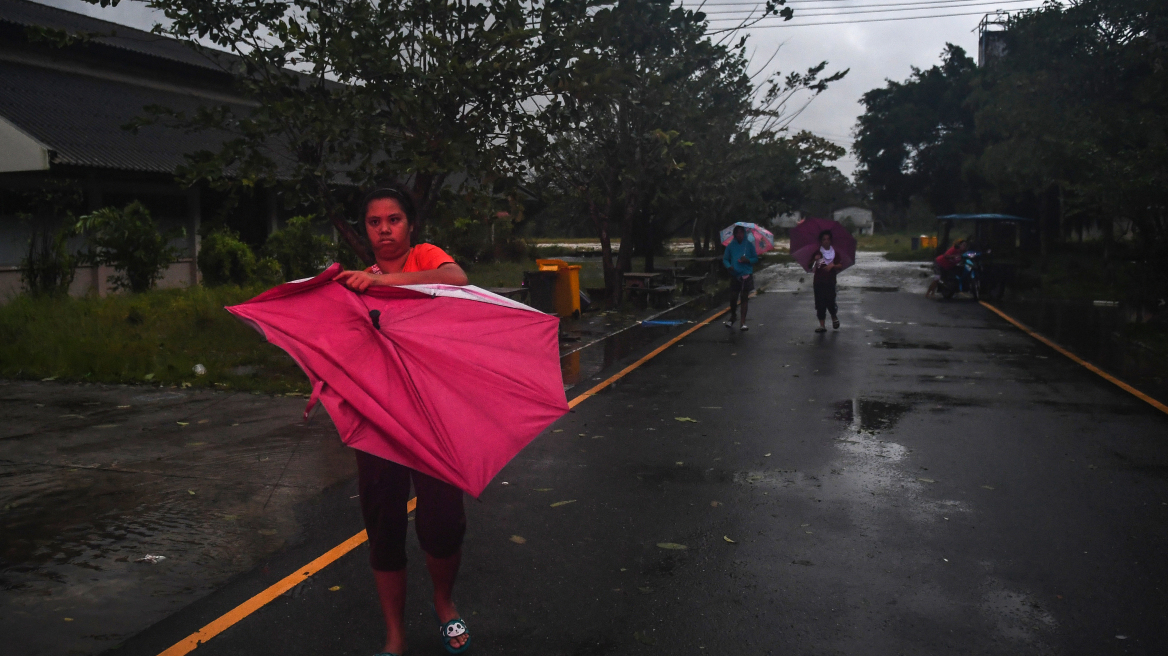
(1004, 238)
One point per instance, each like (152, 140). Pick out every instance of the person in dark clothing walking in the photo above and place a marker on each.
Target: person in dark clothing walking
(826, 267)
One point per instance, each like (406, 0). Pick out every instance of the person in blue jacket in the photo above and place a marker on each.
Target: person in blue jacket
(740, 258)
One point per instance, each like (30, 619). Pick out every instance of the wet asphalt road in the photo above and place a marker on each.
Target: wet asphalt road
(927, 480)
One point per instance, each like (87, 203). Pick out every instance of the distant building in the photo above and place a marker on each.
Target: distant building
(62, 115)
(856, 217)
(788, 220)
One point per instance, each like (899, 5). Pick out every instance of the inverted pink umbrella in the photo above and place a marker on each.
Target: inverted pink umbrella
(762, 238)
(450, 381)
(805, 241)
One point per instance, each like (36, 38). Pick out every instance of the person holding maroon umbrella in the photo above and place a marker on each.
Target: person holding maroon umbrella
(384, 486)
(824, 248)
(825, 267)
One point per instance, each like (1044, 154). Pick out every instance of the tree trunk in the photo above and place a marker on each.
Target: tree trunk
(625, 254)
(426, 190)
(611, 280)
(336, 217)
(352, 239)
(650, 246)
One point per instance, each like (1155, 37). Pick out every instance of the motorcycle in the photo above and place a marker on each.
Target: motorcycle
(966, 277)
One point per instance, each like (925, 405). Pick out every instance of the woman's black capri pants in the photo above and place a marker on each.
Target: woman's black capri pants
(385, 488)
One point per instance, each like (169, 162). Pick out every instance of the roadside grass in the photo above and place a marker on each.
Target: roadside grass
(1076, 273)
(152, 338)
(896, 246)
(158, 337)
(919, 255)
(1154, 337)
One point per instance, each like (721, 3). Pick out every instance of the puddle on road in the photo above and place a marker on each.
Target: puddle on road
(1016, 615)
(911, 345)
(80, 508)
(871, 473)
(681, 474)
(157, 397)
(873, 416)
(588, 360)
(937, 401)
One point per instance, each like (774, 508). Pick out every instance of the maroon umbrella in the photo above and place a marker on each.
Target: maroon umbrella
(805, 241)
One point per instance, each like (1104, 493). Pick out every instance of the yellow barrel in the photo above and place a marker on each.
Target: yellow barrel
(567, 292)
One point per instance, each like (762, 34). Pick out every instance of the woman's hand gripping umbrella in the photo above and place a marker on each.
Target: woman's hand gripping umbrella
(449, 381)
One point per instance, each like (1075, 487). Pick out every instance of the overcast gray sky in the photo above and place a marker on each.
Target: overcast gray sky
(884, 46)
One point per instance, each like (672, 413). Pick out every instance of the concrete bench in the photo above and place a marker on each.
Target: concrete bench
(661, 296)
(693, 284)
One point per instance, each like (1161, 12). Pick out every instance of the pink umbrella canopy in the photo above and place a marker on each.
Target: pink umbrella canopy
(805, 241)
(450, 381)
(762, 238)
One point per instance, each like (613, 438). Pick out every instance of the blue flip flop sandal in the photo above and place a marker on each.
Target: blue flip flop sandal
(452, 629)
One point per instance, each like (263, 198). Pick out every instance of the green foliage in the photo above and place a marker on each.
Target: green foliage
(129, 241)
(160, 334)
(50, 261)
(299, 249)
(657, 133)
(49, 266)
(1068, 127)
(427, 92)
(226, 260)
(915, 136)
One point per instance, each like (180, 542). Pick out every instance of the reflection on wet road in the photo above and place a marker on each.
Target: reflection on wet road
(148, 497)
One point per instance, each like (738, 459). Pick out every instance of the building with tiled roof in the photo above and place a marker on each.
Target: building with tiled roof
(64, 111)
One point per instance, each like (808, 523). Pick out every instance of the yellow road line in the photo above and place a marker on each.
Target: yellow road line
(654, 353)
(227, 620)
(1090, 367)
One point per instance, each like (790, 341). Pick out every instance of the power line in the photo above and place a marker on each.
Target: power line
(861, 20)
(755, 3)
(912, 6)
(977, 3)
(897, 3)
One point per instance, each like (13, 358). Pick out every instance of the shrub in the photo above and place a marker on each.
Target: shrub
(300, 251)
(130, 242)
(48, 268)
(268, 271)
(225, 260)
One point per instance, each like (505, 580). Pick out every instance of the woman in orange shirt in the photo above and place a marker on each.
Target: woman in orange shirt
(385, 486)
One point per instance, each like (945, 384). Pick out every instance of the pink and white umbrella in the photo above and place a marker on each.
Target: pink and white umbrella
(450, 381)
(762, 238)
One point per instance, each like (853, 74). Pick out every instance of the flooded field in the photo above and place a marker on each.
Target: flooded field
(1095, 333)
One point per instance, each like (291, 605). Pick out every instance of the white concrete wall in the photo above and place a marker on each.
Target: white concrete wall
(19, 151)
(92, 279)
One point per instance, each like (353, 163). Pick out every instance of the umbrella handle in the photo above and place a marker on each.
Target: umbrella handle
(375, 315)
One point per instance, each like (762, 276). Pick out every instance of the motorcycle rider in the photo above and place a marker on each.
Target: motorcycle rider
(945, 263)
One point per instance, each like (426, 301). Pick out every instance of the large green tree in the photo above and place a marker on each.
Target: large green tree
(659, 131)
(338, 93)
(914, 136)
(1069, 126)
